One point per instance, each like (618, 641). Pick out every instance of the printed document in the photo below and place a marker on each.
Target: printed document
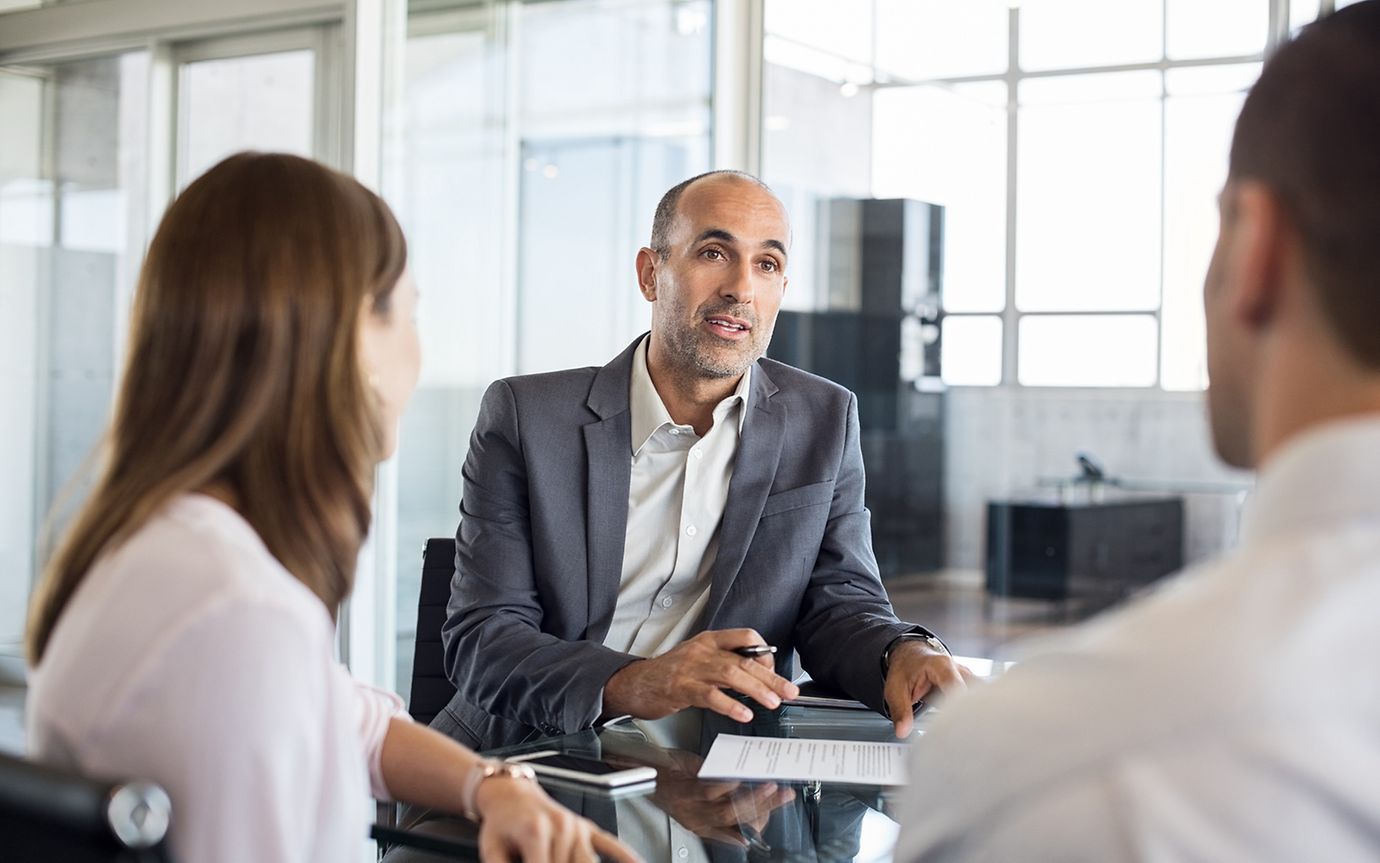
(787, 759)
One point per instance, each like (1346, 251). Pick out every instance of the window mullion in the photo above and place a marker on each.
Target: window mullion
(1010, 317)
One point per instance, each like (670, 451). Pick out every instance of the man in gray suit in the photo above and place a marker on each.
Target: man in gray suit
(626, 530)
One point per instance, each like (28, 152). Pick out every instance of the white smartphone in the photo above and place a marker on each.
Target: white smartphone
(590, 771)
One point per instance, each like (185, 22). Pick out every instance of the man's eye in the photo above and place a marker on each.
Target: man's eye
(770, 266)
(713, 254)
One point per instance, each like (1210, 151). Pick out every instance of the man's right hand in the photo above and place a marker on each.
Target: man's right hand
(695, 674)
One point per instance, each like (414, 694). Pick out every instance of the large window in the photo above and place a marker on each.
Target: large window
(1077, 147)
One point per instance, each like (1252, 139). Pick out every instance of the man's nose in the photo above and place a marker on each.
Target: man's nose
(737, 285)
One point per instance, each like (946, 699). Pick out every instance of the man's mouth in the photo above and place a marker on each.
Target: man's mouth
(728, 327)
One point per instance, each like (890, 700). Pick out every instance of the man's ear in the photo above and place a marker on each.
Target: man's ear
(646, 273)
(1259, 239)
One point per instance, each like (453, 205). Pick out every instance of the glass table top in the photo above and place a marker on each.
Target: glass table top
(684, 818)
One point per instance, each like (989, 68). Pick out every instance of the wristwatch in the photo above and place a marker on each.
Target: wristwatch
(924, 635)
(484, 769)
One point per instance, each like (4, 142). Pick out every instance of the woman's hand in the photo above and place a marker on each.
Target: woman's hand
(519, 822)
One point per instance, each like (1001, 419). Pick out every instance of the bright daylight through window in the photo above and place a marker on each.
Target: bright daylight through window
(1077, 147)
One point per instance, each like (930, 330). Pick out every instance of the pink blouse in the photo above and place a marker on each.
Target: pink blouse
(190, 657)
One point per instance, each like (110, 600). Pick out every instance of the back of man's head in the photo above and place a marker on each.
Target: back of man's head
(1310, 131)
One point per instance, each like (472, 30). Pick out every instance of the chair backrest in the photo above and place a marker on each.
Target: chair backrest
(51, 814)
(431, 689)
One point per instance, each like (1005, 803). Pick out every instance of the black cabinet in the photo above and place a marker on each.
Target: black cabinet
(1057, 551)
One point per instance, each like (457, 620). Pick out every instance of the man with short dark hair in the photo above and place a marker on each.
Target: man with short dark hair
(1234, 714)
(626, 531)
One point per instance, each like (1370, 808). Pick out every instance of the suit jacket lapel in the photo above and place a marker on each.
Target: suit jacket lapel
(608, 463)
(759, 451)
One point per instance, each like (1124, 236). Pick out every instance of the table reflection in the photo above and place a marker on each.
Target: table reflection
(684, 818)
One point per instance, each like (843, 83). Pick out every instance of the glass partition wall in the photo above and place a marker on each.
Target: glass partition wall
(89, 151)
(526, 154)
(72, 214)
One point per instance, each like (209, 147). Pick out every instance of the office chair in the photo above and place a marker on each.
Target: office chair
(51, 814)
(431, 690)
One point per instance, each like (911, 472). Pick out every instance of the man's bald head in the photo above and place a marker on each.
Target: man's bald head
(669, 206)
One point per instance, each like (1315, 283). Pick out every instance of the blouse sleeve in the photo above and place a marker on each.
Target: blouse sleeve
(375, 709)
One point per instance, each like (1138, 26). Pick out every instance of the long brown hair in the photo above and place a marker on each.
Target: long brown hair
(243, 372)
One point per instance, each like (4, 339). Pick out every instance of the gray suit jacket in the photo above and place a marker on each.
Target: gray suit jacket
(540, 547)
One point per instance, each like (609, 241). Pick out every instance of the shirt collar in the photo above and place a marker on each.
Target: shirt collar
(1323, 476)
(649, 411)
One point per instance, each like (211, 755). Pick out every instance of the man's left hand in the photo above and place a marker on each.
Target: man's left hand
(915, 670)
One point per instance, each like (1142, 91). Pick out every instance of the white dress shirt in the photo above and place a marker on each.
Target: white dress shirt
(1233, 715)
(676, 502)
(190, 657)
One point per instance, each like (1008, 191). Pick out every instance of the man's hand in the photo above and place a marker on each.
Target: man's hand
(916, 668)
(694, 674)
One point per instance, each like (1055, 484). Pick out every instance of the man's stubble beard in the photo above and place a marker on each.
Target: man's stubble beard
(693, 358)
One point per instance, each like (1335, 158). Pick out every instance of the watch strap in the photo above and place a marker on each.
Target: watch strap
(487, 768)
(917, 634)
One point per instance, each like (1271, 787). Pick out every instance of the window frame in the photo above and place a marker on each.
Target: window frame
(1278, 30)
(322, 40)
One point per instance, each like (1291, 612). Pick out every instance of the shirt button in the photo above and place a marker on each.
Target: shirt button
(667, 602)
(683, 853)
(675, 431)
(691, 530)
(698, 452)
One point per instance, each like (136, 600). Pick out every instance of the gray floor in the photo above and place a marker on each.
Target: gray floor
(954, 604)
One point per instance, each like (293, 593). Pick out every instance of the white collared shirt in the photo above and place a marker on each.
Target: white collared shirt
(1233, 715)
(676, 502)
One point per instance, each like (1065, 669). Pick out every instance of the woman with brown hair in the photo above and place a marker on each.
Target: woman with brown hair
(183, 632)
